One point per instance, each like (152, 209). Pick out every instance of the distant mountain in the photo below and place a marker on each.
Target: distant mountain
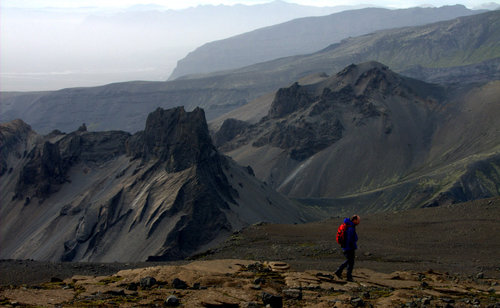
(305, 35)
(372, 139)
(463, 50)
(163, 193)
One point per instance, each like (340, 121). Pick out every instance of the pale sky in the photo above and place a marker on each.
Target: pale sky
(176, 4)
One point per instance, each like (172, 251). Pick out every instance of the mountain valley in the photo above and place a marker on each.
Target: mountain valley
(363, 140)
(225, 185)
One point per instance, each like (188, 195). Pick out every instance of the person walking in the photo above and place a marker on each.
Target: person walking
(349, 245)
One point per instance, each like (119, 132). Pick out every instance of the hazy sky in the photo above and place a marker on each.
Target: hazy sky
(176, 4)
(53, 44)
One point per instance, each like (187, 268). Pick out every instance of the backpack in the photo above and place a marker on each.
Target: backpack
(341, 234)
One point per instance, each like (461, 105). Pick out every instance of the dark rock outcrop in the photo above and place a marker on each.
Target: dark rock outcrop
(147, 282)
(173, 141)
(179, 284)
(309, 35)
(201, 204)
(43, 173)
(177, 138)
(229, 129)
(289, 100)
(303, 138)
(164, 193)
(303, 120)
(93, 146)
(274, 301)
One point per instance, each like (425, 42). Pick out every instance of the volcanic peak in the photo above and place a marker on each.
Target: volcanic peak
(305, 119)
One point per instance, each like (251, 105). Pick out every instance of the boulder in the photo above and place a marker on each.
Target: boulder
(230, 128)
(179, 284)
(147, 282)
(172, 301)
(275, 301)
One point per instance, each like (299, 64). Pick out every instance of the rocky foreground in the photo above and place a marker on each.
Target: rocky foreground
(246, 283)
(432, 257)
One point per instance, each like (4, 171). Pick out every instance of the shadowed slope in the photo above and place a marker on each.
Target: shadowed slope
(305, 35)
(161, 194)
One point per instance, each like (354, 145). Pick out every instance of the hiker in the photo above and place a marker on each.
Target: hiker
(348, 243)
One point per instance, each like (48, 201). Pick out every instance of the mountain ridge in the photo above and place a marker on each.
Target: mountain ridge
(404, 132)
(124, 106)
(164, 193)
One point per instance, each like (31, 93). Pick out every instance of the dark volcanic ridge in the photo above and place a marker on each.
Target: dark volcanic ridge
(368, 138)
(161, 194)
(307, 119)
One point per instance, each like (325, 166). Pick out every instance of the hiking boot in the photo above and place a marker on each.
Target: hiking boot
(350, 279)
(338, 274)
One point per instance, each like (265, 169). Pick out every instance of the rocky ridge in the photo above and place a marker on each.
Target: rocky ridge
(12, 134)
(305, 119)
(304, 145)
(161, 194)
(49, 160)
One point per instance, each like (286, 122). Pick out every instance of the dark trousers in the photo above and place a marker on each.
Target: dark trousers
(349, 263)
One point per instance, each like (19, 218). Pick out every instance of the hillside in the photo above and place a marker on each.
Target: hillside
(464, 50)
(305, 35)
(108, 44)
(388, 241)
(372, 139)
(163, 193)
